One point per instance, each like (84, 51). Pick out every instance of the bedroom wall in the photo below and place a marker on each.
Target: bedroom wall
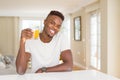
(110, 40)
(110, 36)
(8, 35)
(113, 37)
(79, 48)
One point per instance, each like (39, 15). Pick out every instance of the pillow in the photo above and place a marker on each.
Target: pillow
(2, 65)
(7, 60)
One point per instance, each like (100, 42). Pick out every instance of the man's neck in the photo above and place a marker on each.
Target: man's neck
(45, 38)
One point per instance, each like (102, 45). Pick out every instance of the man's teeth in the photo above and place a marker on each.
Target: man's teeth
(52, 31)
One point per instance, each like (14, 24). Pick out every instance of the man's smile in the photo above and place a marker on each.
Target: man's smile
(52, 31)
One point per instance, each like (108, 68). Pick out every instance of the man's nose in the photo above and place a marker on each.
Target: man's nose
(56, 28)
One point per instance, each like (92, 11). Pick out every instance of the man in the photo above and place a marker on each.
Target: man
(46, 51)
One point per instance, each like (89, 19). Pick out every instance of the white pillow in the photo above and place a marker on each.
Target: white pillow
(7, 60)
(2, 65)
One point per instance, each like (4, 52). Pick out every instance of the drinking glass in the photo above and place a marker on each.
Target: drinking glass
(36, 32)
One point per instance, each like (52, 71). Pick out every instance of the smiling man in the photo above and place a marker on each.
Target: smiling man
(46, 51)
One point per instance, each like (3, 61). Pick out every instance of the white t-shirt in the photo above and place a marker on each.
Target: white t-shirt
(47, 54)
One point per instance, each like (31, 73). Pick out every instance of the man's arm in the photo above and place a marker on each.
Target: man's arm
(22, 60)
(23, 57)
(67, 64)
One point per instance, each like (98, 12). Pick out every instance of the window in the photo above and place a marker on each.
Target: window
(95, 54)
(31, 23)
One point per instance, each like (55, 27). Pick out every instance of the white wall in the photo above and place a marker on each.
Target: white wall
(110, 36)
(111, 32)
(8, 35)
(103, 8)
(113, 37)
(77, 47)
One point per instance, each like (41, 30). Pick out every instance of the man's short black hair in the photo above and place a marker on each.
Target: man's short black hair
(57, 13)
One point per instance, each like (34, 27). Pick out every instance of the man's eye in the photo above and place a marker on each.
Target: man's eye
(52, 22)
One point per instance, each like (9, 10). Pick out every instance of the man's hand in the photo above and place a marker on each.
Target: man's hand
(39, 71)
(26, 34)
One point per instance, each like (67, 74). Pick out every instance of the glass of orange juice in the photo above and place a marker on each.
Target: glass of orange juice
(36, 33)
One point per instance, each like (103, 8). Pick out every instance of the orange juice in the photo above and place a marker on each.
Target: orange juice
(36, 34)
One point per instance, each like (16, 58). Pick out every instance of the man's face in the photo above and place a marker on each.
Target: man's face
(52, 25)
